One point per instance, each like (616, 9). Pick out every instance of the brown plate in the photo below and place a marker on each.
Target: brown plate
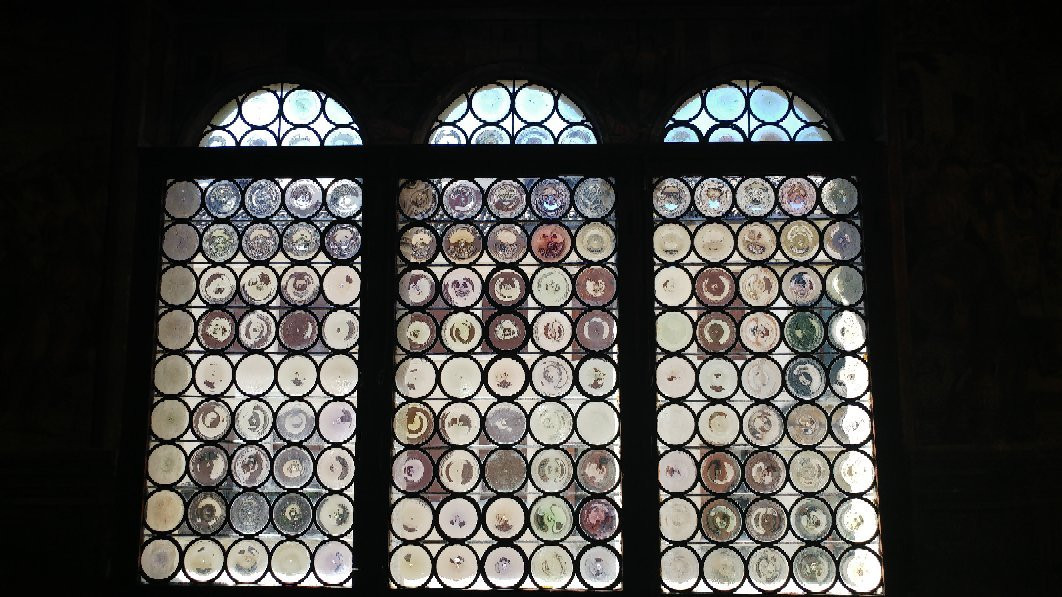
(721, 521)
(765, 472)
(298, 330)
(414, 423)
(597, 470)
(505, 470)
(507, 287)
(598, 518)
(716, 332)
(551, 243)
(507, 243)
(507, 331)
(595, 285)
(217, 329)
(596, 330)
(462, 243)
(715, 286)
(765, 520)
(720, 472)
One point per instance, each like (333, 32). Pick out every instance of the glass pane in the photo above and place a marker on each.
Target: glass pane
(766, 456)
(281, 114)
(251, 454)
(506, 428)
(744, 110)
(506, 112)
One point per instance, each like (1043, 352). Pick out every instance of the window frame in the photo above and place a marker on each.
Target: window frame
(633, 167)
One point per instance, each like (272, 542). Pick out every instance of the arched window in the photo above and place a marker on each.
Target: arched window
(281, 114)
(494, 307)
(251, 447)
(746, 110)
(512, 111)
(764, 428)
(506, 453)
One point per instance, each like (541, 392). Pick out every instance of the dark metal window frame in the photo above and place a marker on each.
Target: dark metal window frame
(633, 167)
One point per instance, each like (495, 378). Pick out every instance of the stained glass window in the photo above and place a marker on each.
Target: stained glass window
(506, 450)
(512, 111)
(746, 110)
(504, 461)
(281, 114)
(766, 456)
(251, 447)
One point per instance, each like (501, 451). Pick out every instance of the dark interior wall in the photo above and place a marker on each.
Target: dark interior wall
(56, 136)
(981, 184)
(956, 91)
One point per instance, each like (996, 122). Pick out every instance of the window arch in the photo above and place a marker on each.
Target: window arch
(512, 111)
(746, 110)
(285, 114)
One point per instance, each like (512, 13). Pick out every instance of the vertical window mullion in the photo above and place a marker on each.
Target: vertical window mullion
(638, 415)
(374, 412)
